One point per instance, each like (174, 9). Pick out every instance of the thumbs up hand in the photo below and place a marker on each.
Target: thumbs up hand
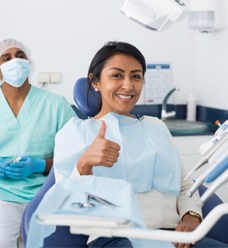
(101, 152)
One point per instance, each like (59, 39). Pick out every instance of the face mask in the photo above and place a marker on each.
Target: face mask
(15, 72)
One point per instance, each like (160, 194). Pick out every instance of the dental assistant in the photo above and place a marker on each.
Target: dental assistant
(30, 117)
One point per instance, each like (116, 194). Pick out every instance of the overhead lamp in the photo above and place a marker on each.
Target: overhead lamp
(156, 15)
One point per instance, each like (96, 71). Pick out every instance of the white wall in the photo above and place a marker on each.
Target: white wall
(65, 34)
(212, 69)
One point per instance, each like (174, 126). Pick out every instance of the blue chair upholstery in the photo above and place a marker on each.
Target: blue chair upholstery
(86, 99)
(62, 237)
(220, 229)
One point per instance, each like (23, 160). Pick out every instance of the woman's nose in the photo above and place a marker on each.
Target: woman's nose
(127, 84)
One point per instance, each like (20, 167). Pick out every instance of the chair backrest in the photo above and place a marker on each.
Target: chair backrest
(62, 237)
(86, 99)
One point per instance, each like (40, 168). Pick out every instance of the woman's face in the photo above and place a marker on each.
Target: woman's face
(120, 84)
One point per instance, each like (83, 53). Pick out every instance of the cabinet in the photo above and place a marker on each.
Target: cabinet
(188, 147)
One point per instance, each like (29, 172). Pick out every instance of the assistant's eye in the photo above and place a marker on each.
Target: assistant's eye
(21, 55)
(5, 58)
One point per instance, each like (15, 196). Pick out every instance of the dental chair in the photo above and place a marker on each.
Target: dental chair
(62, 236)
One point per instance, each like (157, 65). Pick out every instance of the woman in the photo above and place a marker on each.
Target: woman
(119, 145)
(29, 119)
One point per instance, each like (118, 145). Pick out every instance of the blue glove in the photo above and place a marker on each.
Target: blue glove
(25, 167)
(3, 165)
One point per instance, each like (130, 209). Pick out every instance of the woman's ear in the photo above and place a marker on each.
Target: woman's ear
(91, 77)
(95, 86)
(94, 82)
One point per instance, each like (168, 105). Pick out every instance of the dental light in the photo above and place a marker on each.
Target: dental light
(156, 15)
(206, 16)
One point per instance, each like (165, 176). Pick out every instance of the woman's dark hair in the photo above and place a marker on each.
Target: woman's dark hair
(107, 51)
(110, 49)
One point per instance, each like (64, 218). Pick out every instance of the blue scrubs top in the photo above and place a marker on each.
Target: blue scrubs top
(31, 133)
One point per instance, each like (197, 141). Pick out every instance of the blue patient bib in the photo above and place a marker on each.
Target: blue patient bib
(147, 160)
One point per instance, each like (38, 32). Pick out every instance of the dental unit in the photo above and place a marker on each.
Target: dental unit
(216, 157)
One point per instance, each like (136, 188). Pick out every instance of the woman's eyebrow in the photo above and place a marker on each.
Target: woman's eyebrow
(119, 69)
(137, 70)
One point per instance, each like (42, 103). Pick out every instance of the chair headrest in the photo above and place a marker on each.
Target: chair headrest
(86, 99)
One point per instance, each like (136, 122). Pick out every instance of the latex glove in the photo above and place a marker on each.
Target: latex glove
(25, 167)
(3, 165)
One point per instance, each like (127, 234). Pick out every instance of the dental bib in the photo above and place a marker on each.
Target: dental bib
(146, 160)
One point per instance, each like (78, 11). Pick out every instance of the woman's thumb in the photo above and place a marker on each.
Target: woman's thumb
(102, 130)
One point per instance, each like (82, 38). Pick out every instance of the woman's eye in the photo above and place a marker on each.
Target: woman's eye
(137, 77)
(116, 75)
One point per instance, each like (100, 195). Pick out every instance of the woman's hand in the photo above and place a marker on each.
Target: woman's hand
(101, 152)
(188, 224)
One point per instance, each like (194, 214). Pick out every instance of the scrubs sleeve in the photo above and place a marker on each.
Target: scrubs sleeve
(184, 202)
(65, 112)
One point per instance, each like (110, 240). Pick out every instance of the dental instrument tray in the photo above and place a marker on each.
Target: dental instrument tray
(107, 227)
(81, 220)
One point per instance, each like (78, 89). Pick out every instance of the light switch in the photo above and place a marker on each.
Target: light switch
(55, 77)
(44, 77)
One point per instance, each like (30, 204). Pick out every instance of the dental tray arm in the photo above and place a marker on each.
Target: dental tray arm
(223, 139)
(221, 180)
(218, 164)
(216, 159)
(101, 226)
